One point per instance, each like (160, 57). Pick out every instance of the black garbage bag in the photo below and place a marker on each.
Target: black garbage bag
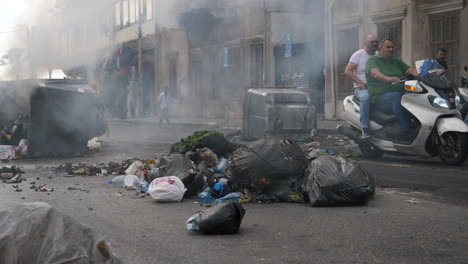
(176, 165)
(273, 166)
(224, 218)
(333, 181)
(194, 183)
(213, 140)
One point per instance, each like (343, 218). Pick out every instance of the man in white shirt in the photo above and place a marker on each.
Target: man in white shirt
(164, 102)
(355, 71)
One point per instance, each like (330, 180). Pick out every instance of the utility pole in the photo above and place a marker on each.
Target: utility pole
(139, 90)
(264, 43)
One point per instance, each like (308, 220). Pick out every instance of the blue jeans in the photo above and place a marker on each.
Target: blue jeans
(390, 103)
(364, 97)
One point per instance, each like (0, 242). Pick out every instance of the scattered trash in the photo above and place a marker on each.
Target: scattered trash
(333, 181)
(135, 169)
(235, 197)
(222, 165)
(16, 179)
(119, 180)
(205, 196)
(213, 140)
(119, 194)
(207, 156)
(95, 143)
(167, 189)
(8, 152)
(131, 182)
(224, 218)
(412, 201)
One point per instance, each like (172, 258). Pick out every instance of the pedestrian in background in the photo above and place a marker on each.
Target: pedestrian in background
(164, 102)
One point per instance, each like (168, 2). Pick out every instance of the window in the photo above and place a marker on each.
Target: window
(173, 91)
(133, 11)
(118, 15)
(125, 13)
(256, 65)
(444, 34)
(148, 9)
(391, 31)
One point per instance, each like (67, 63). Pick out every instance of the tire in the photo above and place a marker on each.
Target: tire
(370, 152)
(453, 148)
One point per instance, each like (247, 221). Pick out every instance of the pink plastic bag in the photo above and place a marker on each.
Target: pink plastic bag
(167, 189)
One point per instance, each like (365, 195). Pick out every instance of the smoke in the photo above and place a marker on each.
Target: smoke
(193, 38)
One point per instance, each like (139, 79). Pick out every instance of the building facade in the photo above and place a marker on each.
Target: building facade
(418, 28)
(208, 52)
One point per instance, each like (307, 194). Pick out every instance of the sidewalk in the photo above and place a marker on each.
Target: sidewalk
(323, 126)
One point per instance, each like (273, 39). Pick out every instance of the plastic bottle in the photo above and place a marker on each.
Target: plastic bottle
(205, 196)
(222, 165)
(235, 197)
(119, 180)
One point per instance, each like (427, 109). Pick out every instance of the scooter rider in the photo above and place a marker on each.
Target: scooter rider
(383, 74)
(356, 71)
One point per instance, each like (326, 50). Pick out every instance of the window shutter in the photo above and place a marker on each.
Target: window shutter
(391, 31)
(445, 34)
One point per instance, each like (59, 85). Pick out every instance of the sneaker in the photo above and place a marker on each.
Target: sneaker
(365, 133)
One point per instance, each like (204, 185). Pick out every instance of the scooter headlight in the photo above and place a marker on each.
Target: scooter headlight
(457, 100)
(439, 102)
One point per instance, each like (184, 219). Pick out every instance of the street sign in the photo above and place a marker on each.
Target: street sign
(288, 46)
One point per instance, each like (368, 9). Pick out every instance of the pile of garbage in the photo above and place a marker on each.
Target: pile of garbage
(208, 166)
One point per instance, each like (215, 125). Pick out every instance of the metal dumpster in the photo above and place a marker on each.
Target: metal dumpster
(64, 115)
(285, 112)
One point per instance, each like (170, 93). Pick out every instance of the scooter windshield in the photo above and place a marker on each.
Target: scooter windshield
(434, 75)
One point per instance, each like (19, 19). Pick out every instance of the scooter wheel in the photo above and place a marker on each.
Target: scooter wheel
(453, 148)
(370, 152)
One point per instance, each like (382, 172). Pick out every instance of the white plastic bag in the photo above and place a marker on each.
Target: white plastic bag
(95, 143)
(131, 182)
(167, 189)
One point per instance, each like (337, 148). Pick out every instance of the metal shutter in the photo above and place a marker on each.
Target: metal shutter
(445, 34)
(347, 43)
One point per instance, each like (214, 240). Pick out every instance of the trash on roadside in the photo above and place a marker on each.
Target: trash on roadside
(207, 156)
(167, 189)
(333, 181)
(34, 233)
(15, 179)
(224, 218)
(205, 196)
(412, 201)
(194, 184)
(8, 172)
(8, 152)
(95, 143)
(136, 168)
(131, 182)
(23, 147)
(274, 166)
(119, 180)
(213, 140)
(235, 197)
(222, 165)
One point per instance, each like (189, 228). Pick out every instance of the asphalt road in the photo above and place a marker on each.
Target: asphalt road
(389, 229)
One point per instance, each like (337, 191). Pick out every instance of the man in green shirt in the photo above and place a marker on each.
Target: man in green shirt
(383, 70)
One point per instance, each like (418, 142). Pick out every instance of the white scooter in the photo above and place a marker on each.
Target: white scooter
(437, 126)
